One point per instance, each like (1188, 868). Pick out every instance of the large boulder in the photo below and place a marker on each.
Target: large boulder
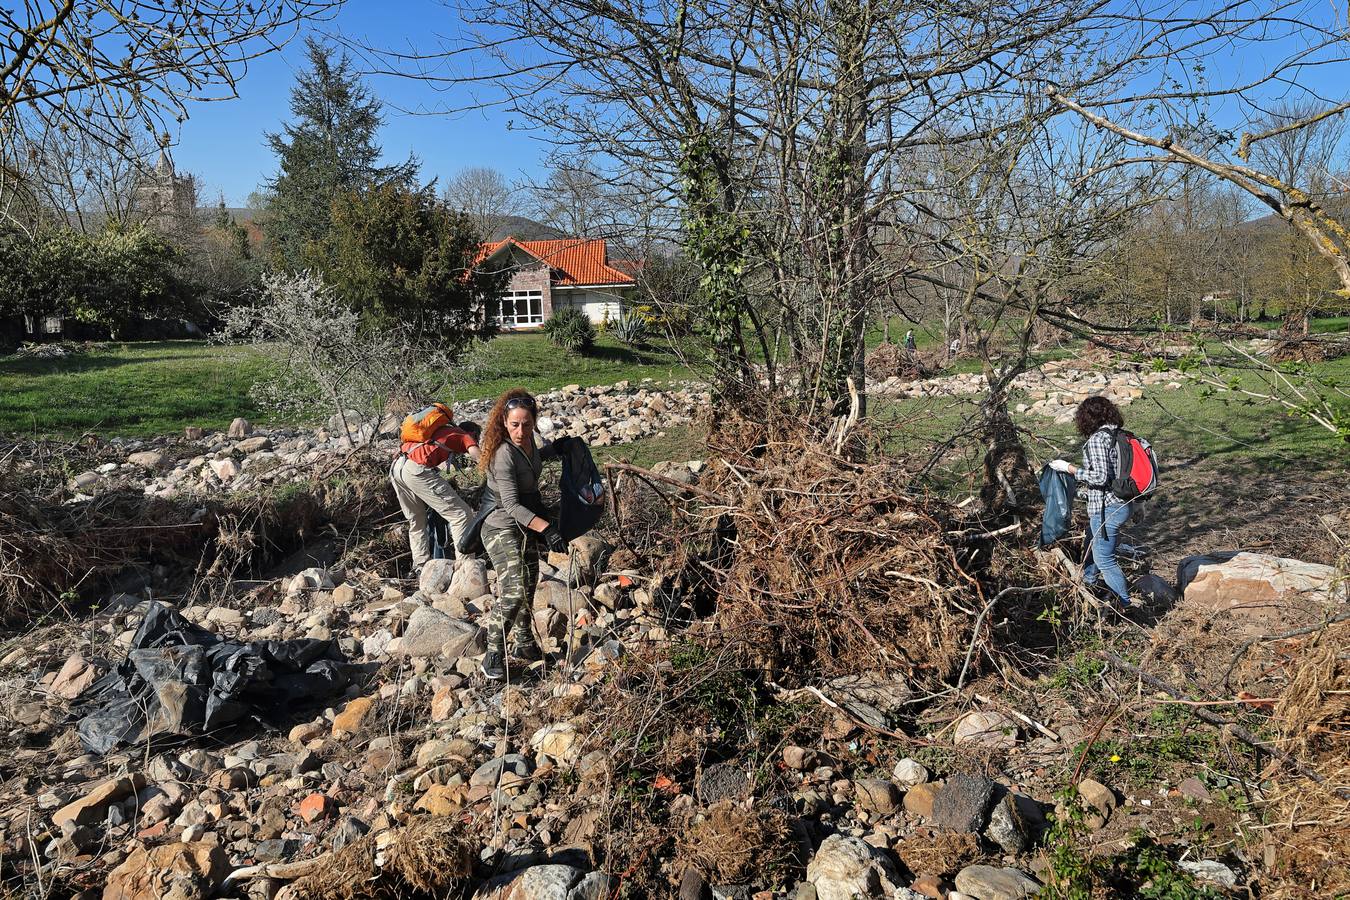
(993, 883)
(1255, 585)
(546, 882)
(429, 630)
(170, 872)
(847, 868)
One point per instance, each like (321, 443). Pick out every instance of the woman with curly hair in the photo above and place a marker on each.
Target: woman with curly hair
(518, 528)
(1098, 419)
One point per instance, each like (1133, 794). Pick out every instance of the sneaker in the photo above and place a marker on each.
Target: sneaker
(493, 666)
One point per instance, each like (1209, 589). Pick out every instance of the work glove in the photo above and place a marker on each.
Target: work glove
(1062, 465)
(553, 539)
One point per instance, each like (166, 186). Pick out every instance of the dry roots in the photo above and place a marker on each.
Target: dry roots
(733, 845)
(893, 361)
(1312, 716)
(835, 567)
(431, 856)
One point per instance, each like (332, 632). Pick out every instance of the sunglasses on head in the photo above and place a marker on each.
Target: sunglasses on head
(521, 403)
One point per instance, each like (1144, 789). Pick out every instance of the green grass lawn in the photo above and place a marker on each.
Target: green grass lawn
(531, 362)
(137, 390)
(129, 389)
(1188, 427)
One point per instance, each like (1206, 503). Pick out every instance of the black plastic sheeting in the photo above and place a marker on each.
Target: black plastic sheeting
(179, 679)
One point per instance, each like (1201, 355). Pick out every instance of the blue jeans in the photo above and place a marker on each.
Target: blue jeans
(1105, 542)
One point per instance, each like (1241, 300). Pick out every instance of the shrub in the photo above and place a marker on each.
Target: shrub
(630, 329)
(570, 329)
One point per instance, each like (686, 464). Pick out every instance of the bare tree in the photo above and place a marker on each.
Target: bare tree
(485, 196)
(575, 201)
(1271, 179)
(108, 71)
(805, 118)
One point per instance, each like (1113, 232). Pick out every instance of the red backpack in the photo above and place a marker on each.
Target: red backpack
(1136, 467)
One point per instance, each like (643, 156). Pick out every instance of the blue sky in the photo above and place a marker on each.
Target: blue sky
(222, 143)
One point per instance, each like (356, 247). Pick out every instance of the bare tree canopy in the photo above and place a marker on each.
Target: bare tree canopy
(485, 196)
(105, 72)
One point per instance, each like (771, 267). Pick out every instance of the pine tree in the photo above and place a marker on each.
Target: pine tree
(329, 149)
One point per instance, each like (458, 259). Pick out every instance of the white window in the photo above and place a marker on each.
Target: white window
(516, 308)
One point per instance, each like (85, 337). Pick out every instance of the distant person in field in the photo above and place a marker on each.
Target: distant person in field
(1098, 420)
(429, 438)
(518, 530)
(910, 345)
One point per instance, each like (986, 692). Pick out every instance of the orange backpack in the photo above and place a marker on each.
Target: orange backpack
(421, 425)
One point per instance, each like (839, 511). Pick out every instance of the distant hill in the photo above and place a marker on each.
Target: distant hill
(526, 230)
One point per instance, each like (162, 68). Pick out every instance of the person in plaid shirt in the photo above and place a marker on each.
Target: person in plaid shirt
(1097, 419)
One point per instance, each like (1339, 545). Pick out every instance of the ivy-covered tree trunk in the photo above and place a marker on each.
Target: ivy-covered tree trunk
(842, 191)
(716, 238)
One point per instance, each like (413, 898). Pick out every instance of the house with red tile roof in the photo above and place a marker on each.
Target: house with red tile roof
(551, 275)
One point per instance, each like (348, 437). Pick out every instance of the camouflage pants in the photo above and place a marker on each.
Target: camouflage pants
(515, 556)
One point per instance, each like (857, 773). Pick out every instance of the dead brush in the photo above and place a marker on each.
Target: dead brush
(50, 549)
(1311, 820)
(730, 844)
(830, 565)
(432, 856)
(894, 361)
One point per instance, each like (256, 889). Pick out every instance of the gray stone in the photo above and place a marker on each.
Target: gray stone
(469, 581)
(552, 882)
(992, 883)
(1007, 828)
(963, 803)
(847, 868)
(1208, 871)
(436, 576)
(428, 630)
(490, 772)
(723, 781)
(240, 428)
(875, 699)
(1097, 796)
(348, 829)
(555, 594)
(254, 444)
(1194, 789)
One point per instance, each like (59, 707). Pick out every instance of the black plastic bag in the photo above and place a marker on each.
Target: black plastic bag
(179, 679)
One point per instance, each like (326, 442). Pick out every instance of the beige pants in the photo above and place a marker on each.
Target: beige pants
(418, 488)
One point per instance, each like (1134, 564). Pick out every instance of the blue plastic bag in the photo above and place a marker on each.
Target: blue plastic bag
(1058, 490)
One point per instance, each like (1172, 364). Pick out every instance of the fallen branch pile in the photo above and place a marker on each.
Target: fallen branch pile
(824, 566)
